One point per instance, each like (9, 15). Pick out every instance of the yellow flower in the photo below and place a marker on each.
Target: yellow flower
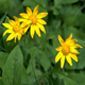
(15, 29)
(34, 20)
(67, 51)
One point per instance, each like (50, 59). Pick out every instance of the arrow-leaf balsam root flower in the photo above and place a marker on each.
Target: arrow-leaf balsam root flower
(35, 20)
(67, 51)
(15, 29)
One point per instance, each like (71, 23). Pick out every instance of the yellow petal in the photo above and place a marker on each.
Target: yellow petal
(58, 56)
(32, 31)
(19, 37)
(7, 25)
(70, 42)
(42, 15)
(29, 11)
(7, 31)
(21, 19)
(59, 48)
(25, 21)
(41, 21)
(37, 31)
(15, 18)
(25, 24)
(35, 11)
(41, 27)
(74, 57)
(12, 22)
(10, 37)
(15, 38)
(78, 46)
(73, 50)
(68, 58)
(26, 29)
(28, 22)
(62, 61)
(60, 39)
(70, 37)
(24, 15)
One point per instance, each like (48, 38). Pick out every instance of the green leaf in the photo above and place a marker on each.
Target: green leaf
(33, 72)
(3, 58)
(75, 78)
(12, 70)
(78, 77)
(70, 15)
(70, 77)
(41, 57)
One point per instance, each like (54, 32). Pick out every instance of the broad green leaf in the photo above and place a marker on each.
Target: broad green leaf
(33, 72)
(75, 79)
(3, 58)
(78, 77)
(71, 77)
(12, 70)
(35, 50)
(37, 60)
(70, 15)
(40, 57)
(66, 79)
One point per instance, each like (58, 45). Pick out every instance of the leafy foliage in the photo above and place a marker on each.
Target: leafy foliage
(31, 61)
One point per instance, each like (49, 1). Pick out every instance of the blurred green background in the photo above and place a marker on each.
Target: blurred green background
(31, 61)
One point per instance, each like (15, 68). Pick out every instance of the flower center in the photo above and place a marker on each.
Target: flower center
(33, 19)
(16, 29)
(66, 49)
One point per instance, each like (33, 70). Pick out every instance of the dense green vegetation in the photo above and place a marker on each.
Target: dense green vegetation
(31, 61)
